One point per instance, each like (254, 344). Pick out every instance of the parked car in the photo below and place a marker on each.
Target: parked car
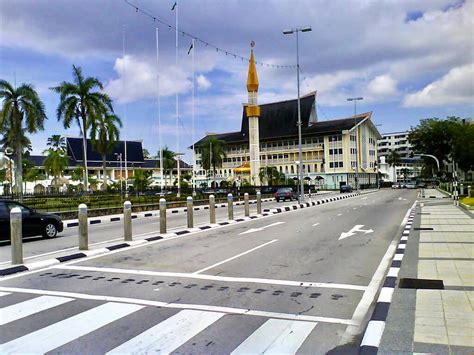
(46, 224)
(345, 188)
(284, 193)
(410, 185)
(396, 185)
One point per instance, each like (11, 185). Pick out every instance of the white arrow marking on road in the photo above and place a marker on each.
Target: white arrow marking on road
(354, 230)
(252, 230)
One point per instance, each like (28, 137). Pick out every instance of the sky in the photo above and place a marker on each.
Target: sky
(409, 60)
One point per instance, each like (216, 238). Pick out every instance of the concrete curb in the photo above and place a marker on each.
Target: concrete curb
(374, 331)
(82, 254)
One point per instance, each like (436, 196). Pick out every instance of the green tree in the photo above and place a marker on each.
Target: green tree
(22, 111)
(77, 174)
(105, 133)
(55, 163)
(393, 160)
(213, 153)
(81, 103)
(57, 142)
(169, 162)
(405, 172)
(146, 153)
(271, 175)
(141, 179)
(463, 146)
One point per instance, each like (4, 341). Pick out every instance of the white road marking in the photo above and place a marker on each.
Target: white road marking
(339, 214)
(386, 294)
(60, 333)
(170, 334)
(316, 224)
(252, 230)
(276, 336)
(24, 309)
(235, 257)
(354, 208)
(369, 295)
(4, 294)
(354, 230)
(216, 278)
(136, 301)
(364, 198)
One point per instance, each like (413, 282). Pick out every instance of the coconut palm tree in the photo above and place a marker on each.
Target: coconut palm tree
(81, 103)
(22, 111)
(55, 163)
(213, 153)
(57, 142)
(393, 160)
(104, 133)
(169, 162)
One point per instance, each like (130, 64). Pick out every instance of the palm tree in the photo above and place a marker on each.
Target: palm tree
(104, 133)
(271, 174)
(55, 163)
(141, 179)
(213, 153)
(405, 172)
(22, 111)
(393, 160)
(169, 162)
(80, 103)
(57, 142)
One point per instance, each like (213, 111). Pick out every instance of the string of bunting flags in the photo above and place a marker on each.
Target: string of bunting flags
(205, 43)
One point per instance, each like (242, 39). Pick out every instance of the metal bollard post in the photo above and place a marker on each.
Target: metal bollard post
(83, 232)
(189, 207)
(212, 209)
(468, 190)
(462, 189)
(162, 216)
(230, 206)
(246, 204)
(259, 202)
(16, 234)
(127, 221)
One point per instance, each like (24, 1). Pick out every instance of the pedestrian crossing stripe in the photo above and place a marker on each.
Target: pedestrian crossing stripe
(4, 294)
(275, 336)
(23, 309)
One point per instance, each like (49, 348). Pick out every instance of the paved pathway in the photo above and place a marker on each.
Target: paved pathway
(435, 320)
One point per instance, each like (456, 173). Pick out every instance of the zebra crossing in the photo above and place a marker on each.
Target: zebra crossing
(273, 336)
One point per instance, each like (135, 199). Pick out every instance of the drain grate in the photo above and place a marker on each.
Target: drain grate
(423, 229)
(421, 284)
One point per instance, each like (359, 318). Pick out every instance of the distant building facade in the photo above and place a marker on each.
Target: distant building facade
(409, 167)
(329, 147)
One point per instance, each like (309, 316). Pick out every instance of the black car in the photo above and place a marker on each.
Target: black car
(46, 224)
(284, 193)
(345, 188)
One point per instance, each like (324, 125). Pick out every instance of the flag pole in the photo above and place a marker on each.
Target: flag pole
(177, 107)
(194, 154)
(159, 109)
(125, 113)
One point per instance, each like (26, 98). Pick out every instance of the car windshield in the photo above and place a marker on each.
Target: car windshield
(284, 190)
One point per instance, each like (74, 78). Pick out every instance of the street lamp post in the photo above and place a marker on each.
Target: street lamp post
(300, 151)
(355, 99)
(119, 158)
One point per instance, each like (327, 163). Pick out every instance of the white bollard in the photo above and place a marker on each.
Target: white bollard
(83, 231)
(16, 235)
(212, 209)
(162, 216)
(127, 221)
(230, 206)
(189, 207)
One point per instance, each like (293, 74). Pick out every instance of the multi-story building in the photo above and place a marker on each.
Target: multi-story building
(409, 166)
(329, 147)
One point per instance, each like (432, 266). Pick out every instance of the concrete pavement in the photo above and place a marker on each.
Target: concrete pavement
(290, 282)
(435, 314)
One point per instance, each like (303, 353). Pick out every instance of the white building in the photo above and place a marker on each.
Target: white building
(409, 167)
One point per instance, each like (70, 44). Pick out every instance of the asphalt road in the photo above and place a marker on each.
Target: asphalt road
(286, 283)
(103, 234)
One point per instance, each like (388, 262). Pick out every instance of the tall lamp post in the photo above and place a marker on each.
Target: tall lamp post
(119, 158)
(355, 99)
(300, 153)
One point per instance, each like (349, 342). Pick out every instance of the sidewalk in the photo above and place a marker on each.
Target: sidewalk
(426, 315)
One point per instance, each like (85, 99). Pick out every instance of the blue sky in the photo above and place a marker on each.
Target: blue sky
(408, 59)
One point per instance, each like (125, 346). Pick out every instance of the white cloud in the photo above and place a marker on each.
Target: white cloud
(456, 87)
(202, 82)
(382, 85)
(137, 80)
